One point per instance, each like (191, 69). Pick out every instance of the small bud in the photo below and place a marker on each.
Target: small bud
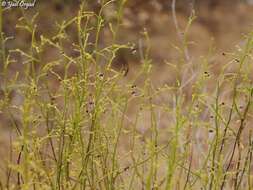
(206, 74)
(133, 86)
(126, 168)
(101, 75)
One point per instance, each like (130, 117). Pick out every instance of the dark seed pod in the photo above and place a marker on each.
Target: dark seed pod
(133, 86)
(101, 75)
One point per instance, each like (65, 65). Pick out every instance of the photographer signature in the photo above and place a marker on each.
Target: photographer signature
(21, 3)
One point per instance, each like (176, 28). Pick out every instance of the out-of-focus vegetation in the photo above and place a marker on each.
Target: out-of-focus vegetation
(126, 95)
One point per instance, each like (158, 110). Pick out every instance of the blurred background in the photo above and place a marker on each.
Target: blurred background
(220, 24)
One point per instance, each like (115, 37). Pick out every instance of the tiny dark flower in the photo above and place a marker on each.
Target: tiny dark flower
(101, 75)
(206, 73)
(126, 168)
(133, 86)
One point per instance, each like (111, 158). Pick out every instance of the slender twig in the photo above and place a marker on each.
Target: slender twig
(189, 171)
(238, 136)
(179, 32)
(247, 161)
